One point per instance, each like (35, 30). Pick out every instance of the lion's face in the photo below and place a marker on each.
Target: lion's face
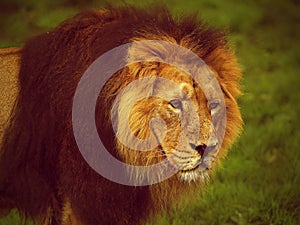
(190, 130)
(187, 130)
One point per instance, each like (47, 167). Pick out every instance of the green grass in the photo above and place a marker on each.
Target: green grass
(259, 181)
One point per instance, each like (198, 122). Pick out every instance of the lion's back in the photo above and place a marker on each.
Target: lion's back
(9, 69)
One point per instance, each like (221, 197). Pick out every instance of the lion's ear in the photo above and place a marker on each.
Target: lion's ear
(147, 49)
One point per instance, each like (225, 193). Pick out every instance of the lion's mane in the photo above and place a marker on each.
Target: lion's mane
(40, 165)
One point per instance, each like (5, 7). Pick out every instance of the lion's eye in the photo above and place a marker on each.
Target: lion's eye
(176, 103)
(213, 105)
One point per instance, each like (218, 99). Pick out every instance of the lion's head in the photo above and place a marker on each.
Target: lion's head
(178, 116)
(161, 112)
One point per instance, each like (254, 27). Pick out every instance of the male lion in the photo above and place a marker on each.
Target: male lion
(42, 172)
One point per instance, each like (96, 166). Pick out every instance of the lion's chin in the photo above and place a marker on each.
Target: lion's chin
(193, 175)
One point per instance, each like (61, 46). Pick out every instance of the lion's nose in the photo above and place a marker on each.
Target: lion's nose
(199, 148)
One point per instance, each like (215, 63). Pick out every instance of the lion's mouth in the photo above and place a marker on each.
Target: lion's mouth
(190, 170)
(193, 175)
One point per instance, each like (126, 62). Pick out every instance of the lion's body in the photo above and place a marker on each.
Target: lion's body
(43, 174)
(9, 69)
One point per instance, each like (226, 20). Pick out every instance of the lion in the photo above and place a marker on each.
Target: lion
(42, 171)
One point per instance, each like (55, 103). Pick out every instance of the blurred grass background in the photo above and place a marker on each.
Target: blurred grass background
(259, 181)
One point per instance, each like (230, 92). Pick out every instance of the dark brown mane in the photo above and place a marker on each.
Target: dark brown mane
(40, 165)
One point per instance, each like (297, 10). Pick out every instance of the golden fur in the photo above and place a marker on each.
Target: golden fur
(9, 69)
(42, 172)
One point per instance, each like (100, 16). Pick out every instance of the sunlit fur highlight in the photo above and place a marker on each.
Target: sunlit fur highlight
(42, 173)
